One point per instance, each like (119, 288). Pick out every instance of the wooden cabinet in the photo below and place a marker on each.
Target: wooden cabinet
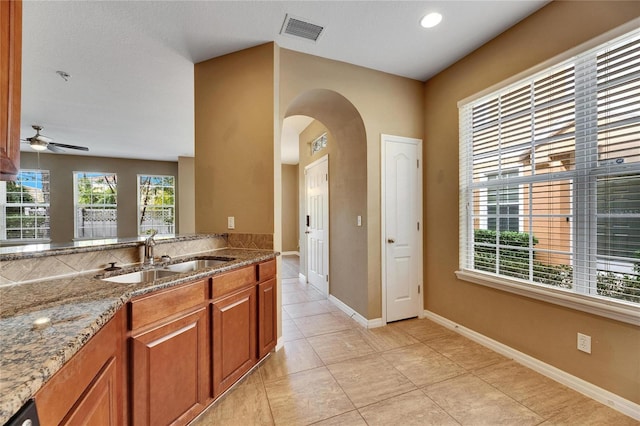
(267, 317)
(97, 406)
(169, 356)
(10, 84)
(267, 308)
(90, 388)
(244, 322)
(234, 335)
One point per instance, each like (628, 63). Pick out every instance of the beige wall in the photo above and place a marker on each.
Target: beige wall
(383, 104)
(62, 167)
(544, 331)
(241, 100)
(234, 141)
(186, 189)
(289, 207)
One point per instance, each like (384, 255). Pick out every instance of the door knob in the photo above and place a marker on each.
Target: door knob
(391, 240)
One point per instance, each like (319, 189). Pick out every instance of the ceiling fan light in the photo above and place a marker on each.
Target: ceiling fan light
(38, 145)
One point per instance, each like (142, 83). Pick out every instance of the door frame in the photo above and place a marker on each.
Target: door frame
(306, 245)
(384, 139)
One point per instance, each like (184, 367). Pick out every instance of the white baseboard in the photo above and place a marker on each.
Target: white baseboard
(301, 277)
(290, 253)
(279, 344)
(353, 314)
(610, 399)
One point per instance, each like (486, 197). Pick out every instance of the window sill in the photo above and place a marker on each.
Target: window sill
(613, 309)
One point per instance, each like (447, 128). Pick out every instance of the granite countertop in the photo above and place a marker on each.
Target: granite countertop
(78, 307)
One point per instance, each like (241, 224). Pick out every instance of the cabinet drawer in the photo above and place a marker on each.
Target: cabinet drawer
(266, 270)
(227, 283)
(156, 306)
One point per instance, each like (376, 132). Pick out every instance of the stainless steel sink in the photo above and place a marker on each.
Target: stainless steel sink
(145, 276)
(194, 265)
(150, 275)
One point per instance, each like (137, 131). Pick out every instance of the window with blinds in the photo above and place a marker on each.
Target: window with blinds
(550, 176)
(24, 207)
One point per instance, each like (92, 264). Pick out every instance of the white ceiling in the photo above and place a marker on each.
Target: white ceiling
(131, 62)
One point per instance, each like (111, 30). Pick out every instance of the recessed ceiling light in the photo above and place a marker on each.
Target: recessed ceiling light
(431, 20)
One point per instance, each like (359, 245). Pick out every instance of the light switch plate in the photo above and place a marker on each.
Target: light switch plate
(231, 222)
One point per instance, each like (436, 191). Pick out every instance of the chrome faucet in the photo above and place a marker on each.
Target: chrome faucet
(148, 248)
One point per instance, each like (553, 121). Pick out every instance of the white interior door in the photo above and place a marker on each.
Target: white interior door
(402, 216)
(317, 217)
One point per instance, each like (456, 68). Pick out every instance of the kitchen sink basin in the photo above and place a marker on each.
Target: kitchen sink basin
(148, 275)
(194, 265)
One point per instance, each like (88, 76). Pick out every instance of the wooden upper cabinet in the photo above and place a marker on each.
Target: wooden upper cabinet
(10, 81)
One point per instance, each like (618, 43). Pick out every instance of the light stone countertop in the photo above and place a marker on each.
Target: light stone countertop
(78, 307)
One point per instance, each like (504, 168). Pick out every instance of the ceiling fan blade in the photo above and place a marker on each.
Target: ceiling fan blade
(51, 147)
(62, 145)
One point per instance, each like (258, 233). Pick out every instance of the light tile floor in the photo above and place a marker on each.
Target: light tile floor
(332, 371)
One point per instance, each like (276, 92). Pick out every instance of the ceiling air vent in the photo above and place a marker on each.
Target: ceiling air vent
(297, 27)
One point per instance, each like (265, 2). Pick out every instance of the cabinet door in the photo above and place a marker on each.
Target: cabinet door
(98, 406)
(10, 82)
(234, 338)
(169, 371)
(267, 317)
(89, 388)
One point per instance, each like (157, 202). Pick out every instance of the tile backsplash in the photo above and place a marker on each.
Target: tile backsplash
(251, 241)
(37, 268)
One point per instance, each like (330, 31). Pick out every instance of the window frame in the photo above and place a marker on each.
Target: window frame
(76, 206)
(164, 206)
(587, 300)
(4, 204)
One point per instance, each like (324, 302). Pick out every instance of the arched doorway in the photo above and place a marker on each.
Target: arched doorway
(347, 154)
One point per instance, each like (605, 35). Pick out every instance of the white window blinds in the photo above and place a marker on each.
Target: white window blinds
(550, 176)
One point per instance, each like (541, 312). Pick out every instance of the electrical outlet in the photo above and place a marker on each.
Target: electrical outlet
(231, 222)
(584, 343)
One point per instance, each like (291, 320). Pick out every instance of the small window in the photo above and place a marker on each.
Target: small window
(156, 204)
(24, 206)
(96, 207)
(503, 206)
(319, 143)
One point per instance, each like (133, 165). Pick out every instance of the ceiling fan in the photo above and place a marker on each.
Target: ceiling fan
(40, 142)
